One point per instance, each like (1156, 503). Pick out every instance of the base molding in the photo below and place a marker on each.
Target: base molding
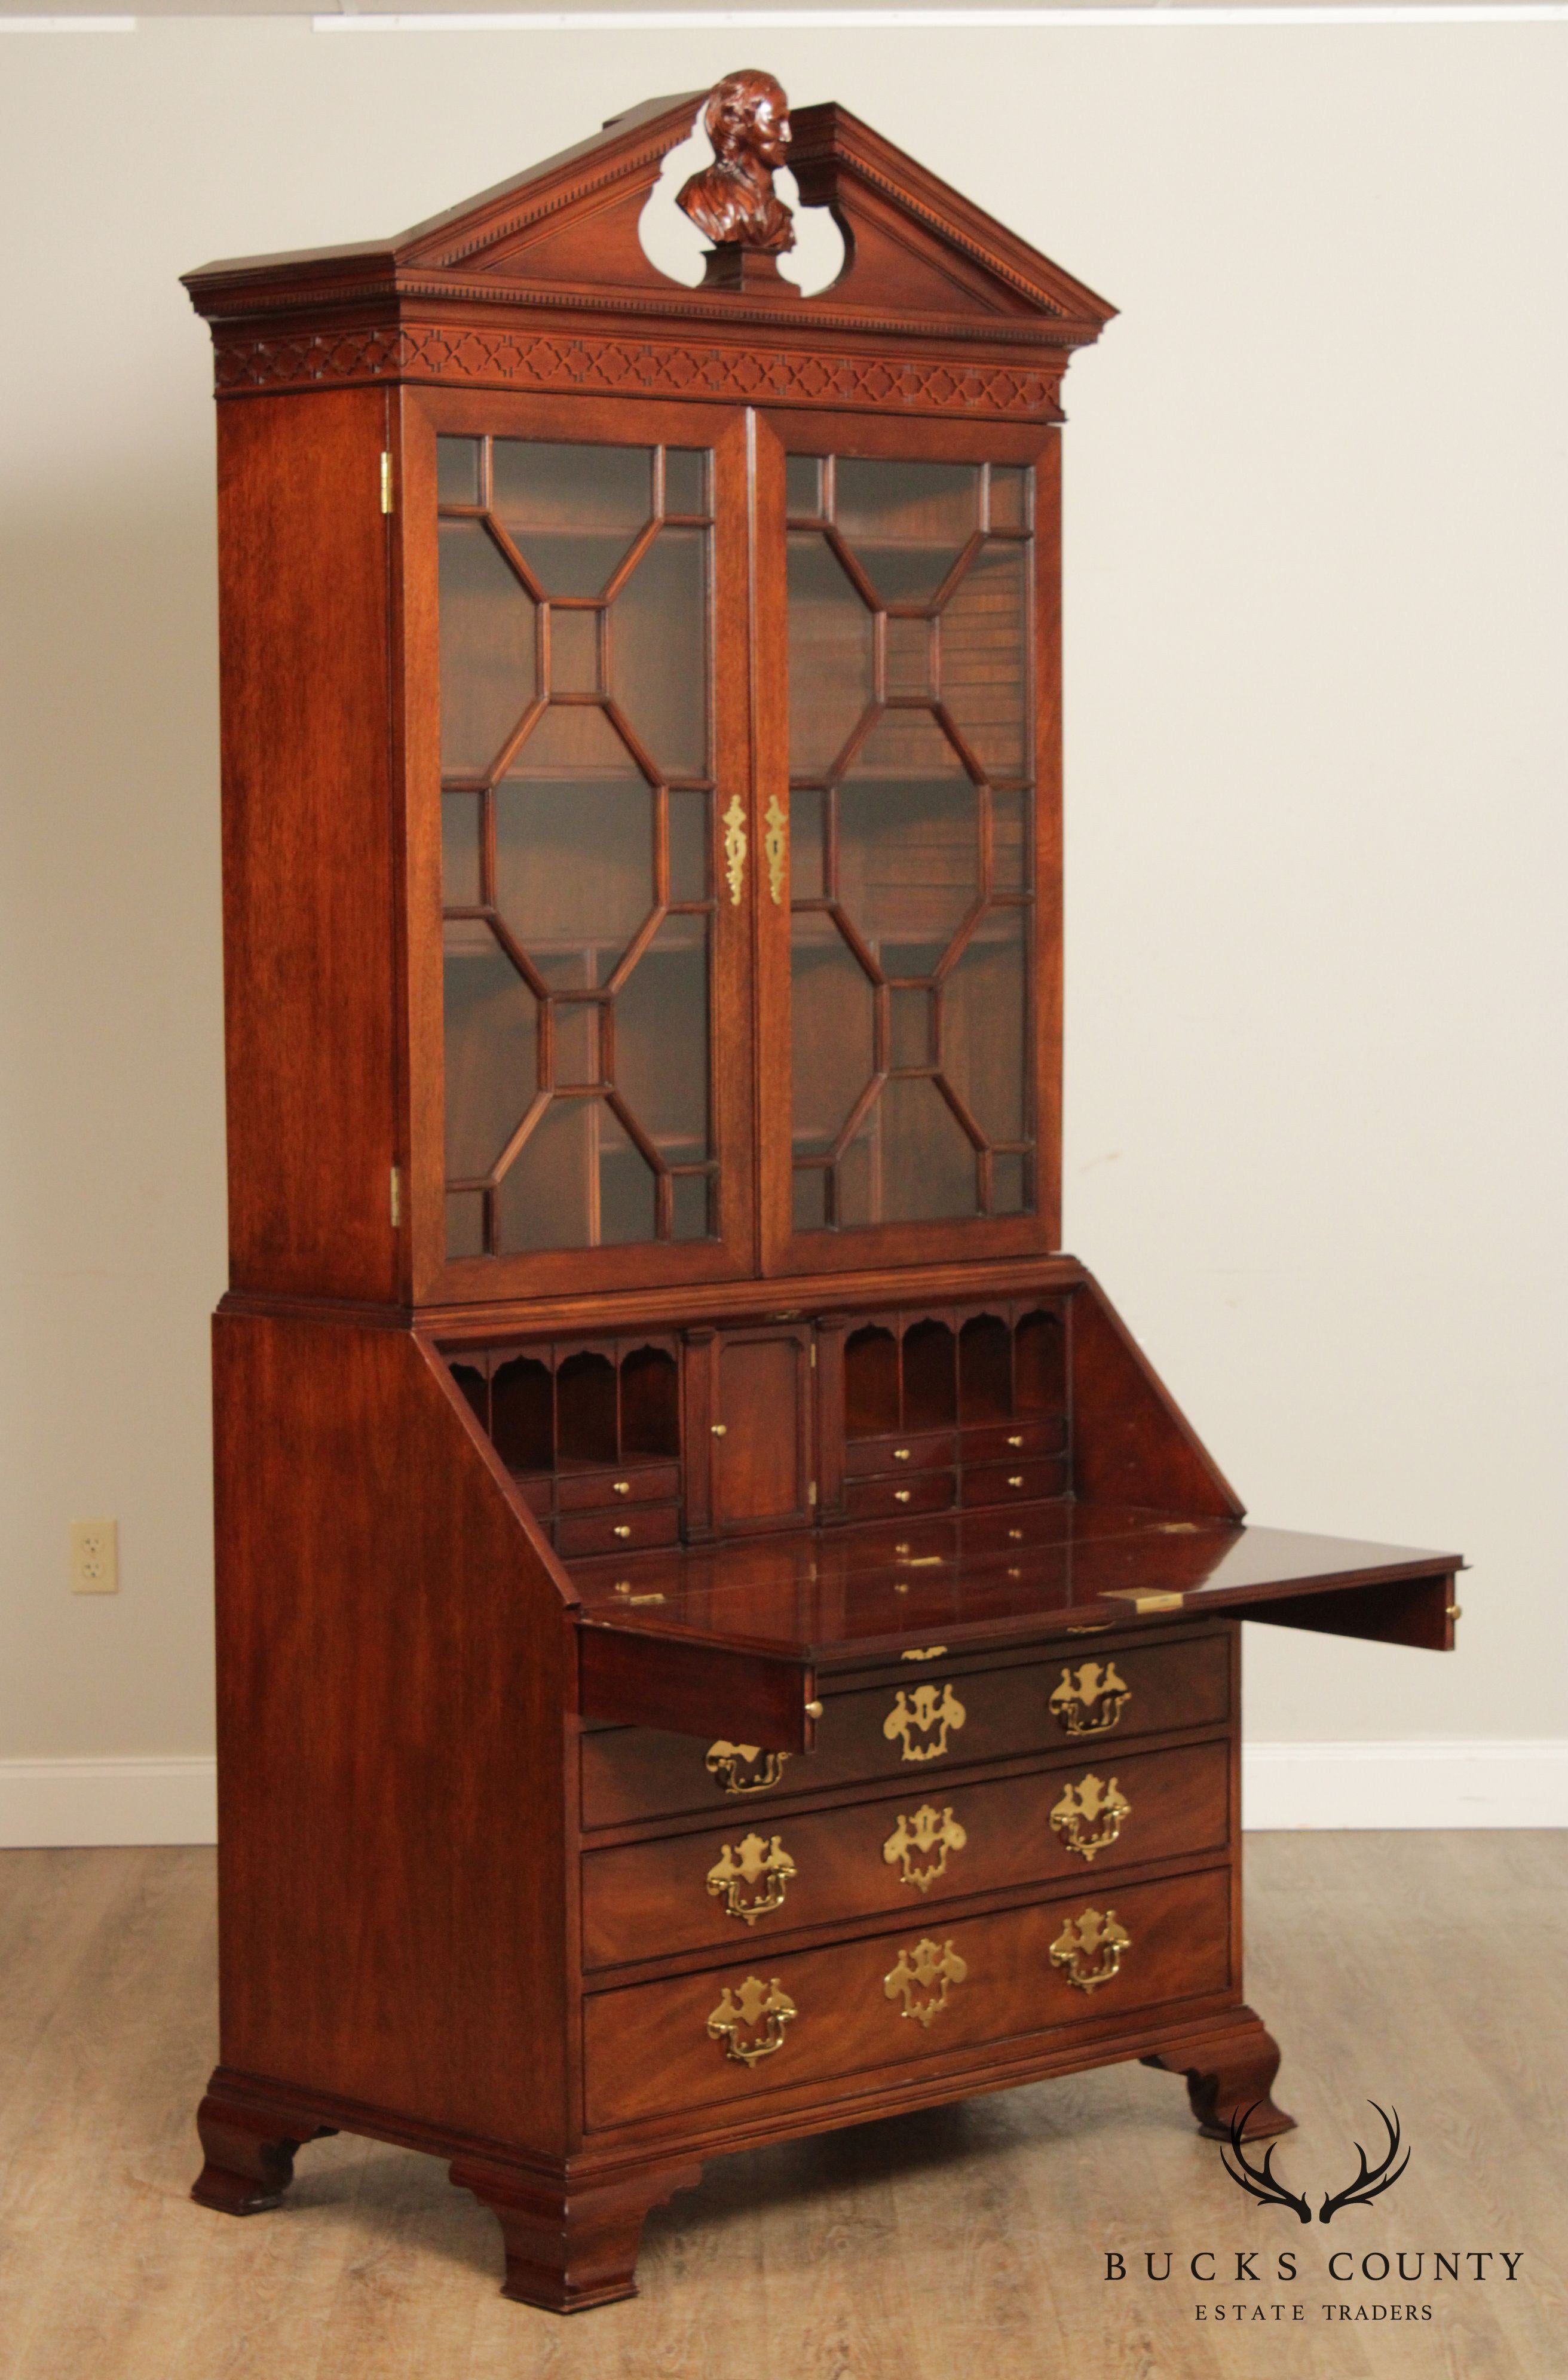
(1446, 1781)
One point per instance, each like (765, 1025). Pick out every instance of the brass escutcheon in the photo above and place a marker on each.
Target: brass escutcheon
(923, 1653)
(918, 1970)
(744, 1768)
(1091, 1815)
(734, 849)
(762, 2010)
(773, 848)
(1090, 1949)
(919, 1846)
(923, 1711)
(752, 1880)
(1090, 1699)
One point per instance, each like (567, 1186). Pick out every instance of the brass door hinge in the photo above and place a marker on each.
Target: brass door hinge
(396, 1197)
(387, 482)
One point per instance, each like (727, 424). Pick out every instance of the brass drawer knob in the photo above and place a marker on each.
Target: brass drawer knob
(923, 1979)
(744, 1768)
(1090, 1698)
(1017, 1439)
(1015, 1480)
(813, 1710)
(1089, 1817)
(1088, 1949)
(921, 1719)
(902, 1495)
(622, 1488)
(751, 2022)
(917, 1847)
(752, 1880)
(719, 1429)
(622, 1529)
(901, 1455)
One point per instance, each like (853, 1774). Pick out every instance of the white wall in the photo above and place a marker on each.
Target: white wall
(1314, 610)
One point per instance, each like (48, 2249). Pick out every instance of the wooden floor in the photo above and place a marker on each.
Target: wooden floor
(1425, 1970)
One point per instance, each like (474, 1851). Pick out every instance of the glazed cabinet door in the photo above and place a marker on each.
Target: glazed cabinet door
(574, 630)
(908, 794)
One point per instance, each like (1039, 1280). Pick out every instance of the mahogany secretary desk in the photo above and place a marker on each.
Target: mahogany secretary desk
(722, 1633)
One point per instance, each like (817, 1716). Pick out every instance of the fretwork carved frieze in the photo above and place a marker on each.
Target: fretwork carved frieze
(465, 357)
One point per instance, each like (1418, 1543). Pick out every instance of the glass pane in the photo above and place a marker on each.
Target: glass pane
(686, 480)
(576, 1042)
(910, 1040)
(574, 651)
(661, 1066)
(830, 1023)
(983, 1026)
(689, 1199)
(1009, 497)
(803, 487)
(907, 523)
(1009, 841)
(857, 1199)
(928, 1165)
(806, 878)
(491, 1047)
(571, 511)
(658, 651)
(809, 1199)
(984, 663)
(908, 843)
(830, 656)
(578, 1181)
(487, 648)
(460, 850)
(465, 1223)
(909, 656)
(1007, 1186)
(457, 470)
(574, 848)
(688, 846)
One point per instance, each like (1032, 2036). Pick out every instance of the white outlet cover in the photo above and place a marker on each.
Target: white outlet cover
(95, 1558)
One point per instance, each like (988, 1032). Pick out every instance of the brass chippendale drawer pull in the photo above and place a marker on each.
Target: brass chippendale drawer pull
(1089, 1817)
(917, 1847)
(1090, 1699)
(734, 849)
(752, 1880)
(744, 1768)
(1088, 1949)
(917, 1970)
(923, 1712)
(760, 2010)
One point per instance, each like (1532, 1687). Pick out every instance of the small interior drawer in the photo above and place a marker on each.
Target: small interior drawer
(749, 1880)
(1001, 1443)
(618, 1531)
(590, 1492)
(763, 2023)
(886, 1500)
(870, 1458)
(1012, 1483)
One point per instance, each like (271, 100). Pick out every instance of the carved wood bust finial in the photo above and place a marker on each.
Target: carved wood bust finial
(746, 119)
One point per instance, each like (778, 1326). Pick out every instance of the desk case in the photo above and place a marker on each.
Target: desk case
(722, 1631)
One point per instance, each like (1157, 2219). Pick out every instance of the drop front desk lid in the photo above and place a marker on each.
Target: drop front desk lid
(727, 1638)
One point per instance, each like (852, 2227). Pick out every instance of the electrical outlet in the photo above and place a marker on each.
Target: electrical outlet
(95, 1558)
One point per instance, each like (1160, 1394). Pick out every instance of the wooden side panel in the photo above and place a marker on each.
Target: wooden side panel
(307, 903)
(391, 1674)
(1131, 1444)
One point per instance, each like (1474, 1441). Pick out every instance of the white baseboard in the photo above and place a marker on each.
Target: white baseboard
(1487, 1781)
(1451, 1781)
(52, 1804)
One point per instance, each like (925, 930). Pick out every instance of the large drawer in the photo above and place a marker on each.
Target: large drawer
(720, 2038)
(903, 1853)
(943, 1717)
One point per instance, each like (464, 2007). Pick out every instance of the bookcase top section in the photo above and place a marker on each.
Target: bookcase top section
(562, 237)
